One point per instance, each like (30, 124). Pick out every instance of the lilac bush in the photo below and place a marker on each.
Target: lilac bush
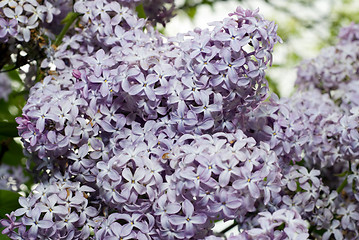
(133, 135)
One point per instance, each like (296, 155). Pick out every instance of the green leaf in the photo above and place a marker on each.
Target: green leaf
(191, 12)
(280, 227)
(4, 110)
(68, 21)
(140, 11)
(8, 129)
(13, 74)
(8, 202)
(343, 174)
(2, 236)
(13, 154)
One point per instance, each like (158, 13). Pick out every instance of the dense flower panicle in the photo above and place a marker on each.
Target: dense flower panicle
(308, 125)
(349, 33)
(105, 80)
(18, 19)
(320, 131)
(334, 65)
(281, 224)
(115, 123)
(156, 81)
(55, 209)
(315, 202)
(218, 175)
(232, 58)
(125, 179)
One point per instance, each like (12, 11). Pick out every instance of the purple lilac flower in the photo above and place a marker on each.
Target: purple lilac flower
(35, 223)
(332, 230)
(349, 33)
(7, 28)
(350, 214)
(189, 220)
(139, 149)
(10, 224)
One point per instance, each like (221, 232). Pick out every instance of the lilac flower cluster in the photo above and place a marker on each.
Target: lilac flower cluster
(131, 121)
(226, 173)
(55, 209)
(349, 34)
(21, 19)
(322, 207)
(149, 85)
(307, 122)
(157, 11)
(310, 129)
(334, 65)
(281, 224)
(316, 130)
(230, 61)
(339, 213)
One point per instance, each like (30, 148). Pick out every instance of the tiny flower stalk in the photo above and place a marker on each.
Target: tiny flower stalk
(346, 174)
(342, 186)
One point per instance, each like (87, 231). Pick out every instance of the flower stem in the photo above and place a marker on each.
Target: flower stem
(68, 20)
(342, 186)
(345, 182)
(229, 227)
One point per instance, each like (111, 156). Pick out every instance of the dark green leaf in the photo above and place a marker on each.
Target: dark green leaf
(4, 110)
(13, 154)
(280, 227)
(8, 129)
(3, 237)
(8, 202)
